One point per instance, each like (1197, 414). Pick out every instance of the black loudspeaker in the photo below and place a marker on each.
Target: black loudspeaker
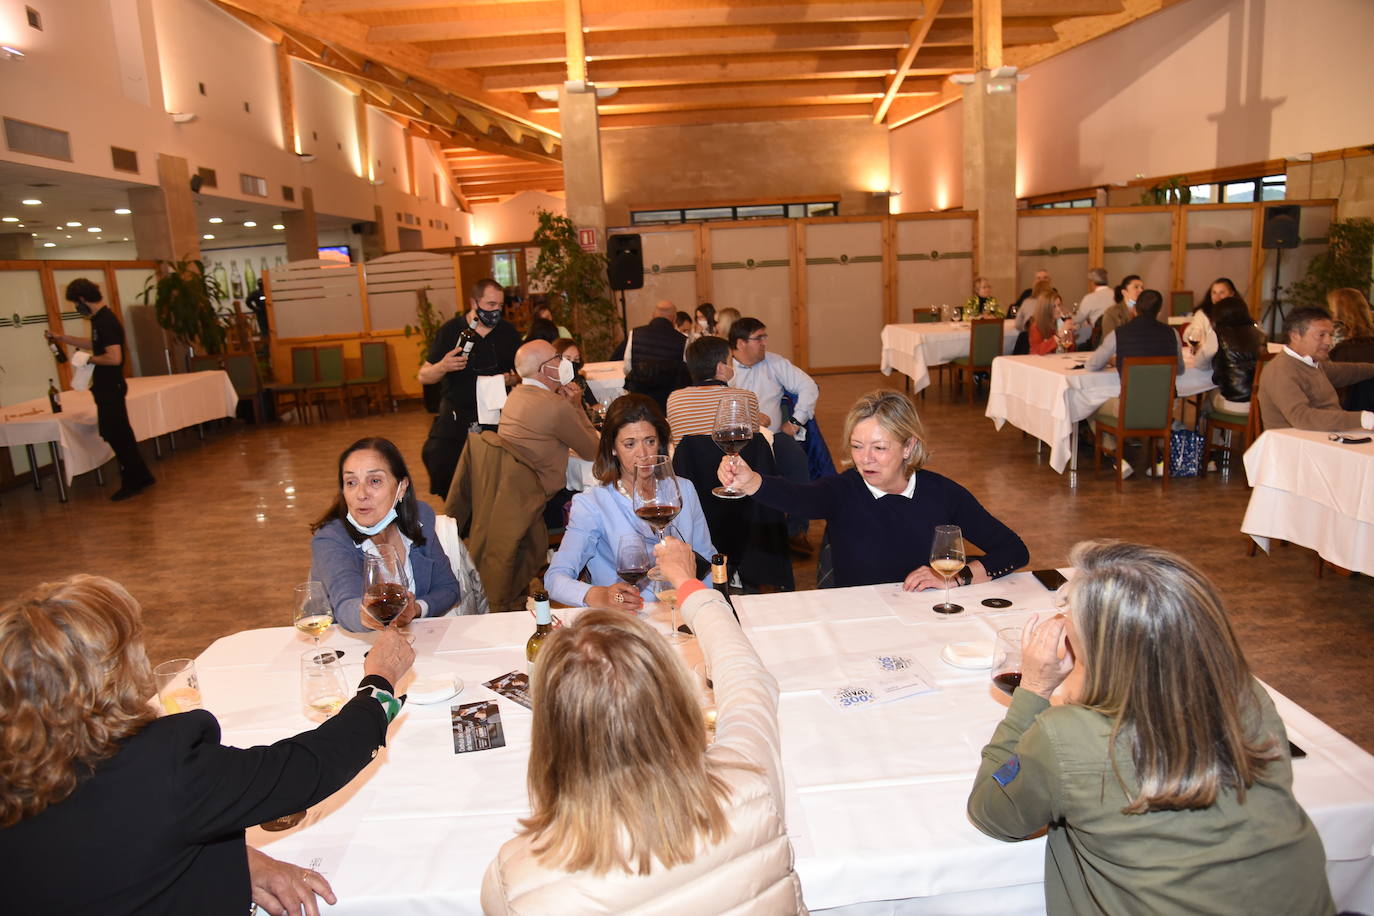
(1281, 226)
(196, 182)
(625, 262)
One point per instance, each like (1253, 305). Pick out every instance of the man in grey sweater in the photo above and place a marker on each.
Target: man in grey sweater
(1298, 387)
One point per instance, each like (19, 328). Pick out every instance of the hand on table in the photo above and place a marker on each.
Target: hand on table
(736, 474)
(283, 889)
(676, 561)
(390, 656)
(921, 578)
(1046, 656)
(617, 595)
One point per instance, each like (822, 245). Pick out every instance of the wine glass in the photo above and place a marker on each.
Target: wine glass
(313, 613)
(386, 589)
(656, 498)
(668, 597)
(324, 689)
(947, 558)
(1006, 660)
(632, 559)
(736, 424)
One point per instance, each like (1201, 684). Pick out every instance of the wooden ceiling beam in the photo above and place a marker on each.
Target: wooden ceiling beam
(807, 92)
(917, 32)
(706, 69)
(391, 6)
(952, 34)
(904, 111)
(507, 188)
(1075, 32)
(736, 115)
(987, 34)
(1050, 9)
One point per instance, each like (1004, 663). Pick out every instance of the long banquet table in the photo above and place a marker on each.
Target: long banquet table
(157, 405)
(912, 349)
(1047, 397)
(875, 798)
(1313, 492)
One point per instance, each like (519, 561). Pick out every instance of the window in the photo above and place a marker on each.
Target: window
(734, 212)
(503, 269)
(1238, 192)
(1274, 187)
(252, 185)
(1063, 204)
(1241, 191)
(1203, 193)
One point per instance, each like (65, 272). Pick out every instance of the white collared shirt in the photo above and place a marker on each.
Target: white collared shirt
(908, 492)
(1307, 359)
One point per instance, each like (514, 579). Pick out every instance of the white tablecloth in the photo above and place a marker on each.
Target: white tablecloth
(912, 349)
(1313, 492)
(157, 405)
(1046, 396)
(606, 380)
(875, 799)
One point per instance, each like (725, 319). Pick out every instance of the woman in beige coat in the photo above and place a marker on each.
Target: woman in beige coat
(633, 811)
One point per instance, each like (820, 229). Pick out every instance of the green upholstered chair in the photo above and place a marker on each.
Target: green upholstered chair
(330, 378)
(1145, 409)
(923, 316)
(374, 384)
(985, 345)
(1181, 302)
(1246, 426)
(299, 390)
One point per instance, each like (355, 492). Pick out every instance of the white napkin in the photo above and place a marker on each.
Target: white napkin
(491, 397)
(82, 369)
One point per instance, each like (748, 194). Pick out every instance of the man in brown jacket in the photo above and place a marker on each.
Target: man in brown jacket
(543, 419)
(1298, 388)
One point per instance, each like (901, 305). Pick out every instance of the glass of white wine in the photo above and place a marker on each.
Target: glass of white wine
(947, 558)
(313, 613)
(323, 687)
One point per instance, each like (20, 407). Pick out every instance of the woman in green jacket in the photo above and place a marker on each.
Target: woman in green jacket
(1165, 780)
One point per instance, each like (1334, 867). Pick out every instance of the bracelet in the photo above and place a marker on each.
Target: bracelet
(965, 575)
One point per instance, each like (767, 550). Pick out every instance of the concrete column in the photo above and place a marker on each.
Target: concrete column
(16, 246)
(165, 217)
(990, 176)
(580, 126)
(302, 242)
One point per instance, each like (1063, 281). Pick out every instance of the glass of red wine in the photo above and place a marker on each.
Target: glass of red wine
(632, 559)
(656, 498)
(1006, 660)
(386, 589)
(736, 424)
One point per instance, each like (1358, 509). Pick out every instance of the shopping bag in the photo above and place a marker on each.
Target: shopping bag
(1185, 453)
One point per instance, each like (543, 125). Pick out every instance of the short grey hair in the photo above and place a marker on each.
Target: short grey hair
(1098, 275)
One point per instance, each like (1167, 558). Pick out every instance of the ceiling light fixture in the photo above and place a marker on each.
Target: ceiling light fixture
(123, 211)
(32, 202)
(49, 244)
(207, 236)
(306, 157)
(278, 226)
(962, 79)
(216, 220)
(249, 224)
(95, 229)
(74, 223)
(11, 53)
(9, 219)
(182, 117)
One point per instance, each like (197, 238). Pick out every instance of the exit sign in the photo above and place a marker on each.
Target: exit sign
(587, 239)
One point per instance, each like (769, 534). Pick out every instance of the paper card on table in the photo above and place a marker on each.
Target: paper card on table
(477, 727)
(513, 685)
(852, 696)
(427, 633)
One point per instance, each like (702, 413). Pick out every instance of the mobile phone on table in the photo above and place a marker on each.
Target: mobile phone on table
(1050, 578)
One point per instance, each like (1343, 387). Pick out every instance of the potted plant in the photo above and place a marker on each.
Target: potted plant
(429, 322)
(185, 302)
(1347, 262)
(576, 283)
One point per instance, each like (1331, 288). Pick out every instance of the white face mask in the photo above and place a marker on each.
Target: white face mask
(565, 371)
(1131, 303)
(387, 519)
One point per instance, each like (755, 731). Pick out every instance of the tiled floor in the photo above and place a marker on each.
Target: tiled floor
(216, 546)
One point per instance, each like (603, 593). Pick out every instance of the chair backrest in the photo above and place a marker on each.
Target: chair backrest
(303, 365)
(374, 359)
(1256, 424)
(204, 363)
(1181, 302)
(924, 315)
(330, 361)
(243, 372)
(985, 341)
(1147, 392)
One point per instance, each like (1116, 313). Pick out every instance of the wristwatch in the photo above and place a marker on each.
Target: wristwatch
(964, 576)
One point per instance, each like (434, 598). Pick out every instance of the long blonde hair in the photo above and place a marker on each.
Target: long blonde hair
(618, 774)
(74, 685)
(1351, 308)
(1161, 660)
(1042, 313)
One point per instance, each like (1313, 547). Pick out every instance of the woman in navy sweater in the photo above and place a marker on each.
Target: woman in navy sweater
(883, 511)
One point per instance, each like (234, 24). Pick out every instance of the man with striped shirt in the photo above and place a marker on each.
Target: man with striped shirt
(692, 410)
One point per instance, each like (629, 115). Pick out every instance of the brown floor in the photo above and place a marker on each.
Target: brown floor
(216, 546)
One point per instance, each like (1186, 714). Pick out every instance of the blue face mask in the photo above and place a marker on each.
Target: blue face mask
(387, 519)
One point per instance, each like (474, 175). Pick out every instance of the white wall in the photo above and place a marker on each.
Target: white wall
(513, 220)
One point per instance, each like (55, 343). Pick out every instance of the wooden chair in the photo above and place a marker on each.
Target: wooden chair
(984, 345)
(329, 379)
(1181, 302)
(1144, 410)
(375, 383)
(1247, 425)
(923, 315)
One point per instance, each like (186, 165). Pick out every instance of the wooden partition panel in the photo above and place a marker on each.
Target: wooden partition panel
(313, 299)
(1059, 241)
(1139, 240)
(934, 261)
(394, 279)
(1314, 222)
(751, 271)
(844, 293)
(1219, 241)
(670, 272)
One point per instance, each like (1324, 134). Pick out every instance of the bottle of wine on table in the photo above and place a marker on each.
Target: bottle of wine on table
(53, 400)
(543, 626)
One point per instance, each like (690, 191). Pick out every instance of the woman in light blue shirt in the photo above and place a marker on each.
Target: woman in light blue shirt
(635, 430)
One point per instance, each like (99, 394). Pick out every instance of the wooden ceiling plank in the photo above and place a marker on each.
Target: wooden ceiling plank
(736, 115)
(707, 69)
(385, 6)
(918, 32)
(1075, 32)
(904, 111)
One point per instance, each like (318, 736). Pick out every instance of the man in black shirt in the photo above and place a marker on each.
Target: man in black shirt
(108, 387)
(493, 353)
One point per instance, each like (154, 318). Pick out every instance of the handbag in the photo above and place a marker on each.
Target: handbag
(1185, 452)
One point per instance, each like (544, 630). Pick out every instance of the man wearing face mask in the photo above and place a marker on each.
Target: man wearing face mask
(108, 387)
(543, 419)
(457, 360)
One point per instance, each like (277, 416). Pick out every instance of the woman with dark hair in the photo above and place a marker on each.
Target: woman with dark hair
(632, 809)
(634, 431)
(1122, 308)
(376, 505)
(1237, 345)
(545, 311)
(1200, 332)
(706, 321)
(541, 329)
(1164, 780)
(107, 808)
(568, 348)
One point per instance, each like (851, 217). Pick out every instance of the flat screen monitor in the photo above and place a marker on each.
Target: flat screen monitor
(341, 253)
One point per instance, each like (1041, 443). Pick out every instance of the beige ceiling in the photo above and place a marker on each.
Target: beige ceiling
(468, 73)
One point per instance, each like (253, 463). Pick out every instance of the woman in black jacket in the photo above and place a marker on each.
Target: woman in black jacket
(1240, 344)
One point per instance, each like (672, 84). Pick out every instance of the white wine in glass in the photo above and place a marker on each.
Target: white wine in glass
(947, 558)
(313, 614)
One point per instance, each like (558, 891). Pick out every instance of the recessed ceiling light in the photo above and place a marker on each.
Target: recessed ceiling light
(278, 226)
(69, 236)
(31, 202)
(249, 224)
(124, 211)
(95, 229)
(207, 236)
(73, 223)
(216, 219)
(49, 244)
(9, 219)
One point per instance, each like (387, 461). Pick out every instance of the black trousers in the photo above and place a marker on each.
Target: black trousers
(112, 417)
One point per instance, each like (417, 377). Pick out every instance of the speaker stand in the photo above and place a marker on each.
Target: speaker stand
(624, 317)
(1272, 317)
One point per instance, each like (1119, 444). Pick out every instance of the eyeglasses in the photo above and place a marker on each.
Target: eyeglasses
(760, 337)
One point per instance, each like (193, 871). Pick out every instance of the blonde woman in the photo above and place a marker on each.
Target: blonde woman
(724, 319)
(1355, 341)
(631, 809)
(883, 510)
(1165, 781)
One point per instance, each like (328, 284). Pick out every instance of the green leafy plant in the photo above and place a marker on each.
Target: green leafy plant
(1171, 191)
(579, 292)
(1347, 262)
(185, 301)
(430, 321)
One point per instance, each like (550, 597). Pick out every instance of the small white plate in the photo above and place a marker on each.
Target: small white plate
(970, 655)
(431, 683)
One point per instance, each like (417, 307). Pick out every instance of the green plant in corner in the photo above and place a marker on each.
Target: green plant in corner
(1347, 262)
(185, 301)
(579, 292)
(430, 321)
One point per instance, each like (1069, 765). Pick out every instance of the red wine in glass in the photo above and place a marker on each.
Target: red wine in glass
(732, 439)
(385, 601)
(1007, 681)
(658, 516)
(633, 575)
(735, 425)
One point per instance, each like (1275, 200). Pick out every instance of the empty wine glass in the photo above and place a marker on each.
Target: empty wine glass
(736, 423)
(656, 498)
(947, 558)
(386, 588)
(632, 560)
(313, 613)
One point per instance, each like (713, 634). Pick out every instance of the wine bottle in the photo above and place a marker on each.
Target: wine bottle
(235, 280)
(720, 578)
(467, 339)
(543, 625)
(58, 353)
(53, 401)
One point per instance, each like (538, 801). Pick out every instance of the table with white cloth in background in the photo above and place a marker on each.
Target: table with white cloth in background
(1047, 397)
(912, 349)
(606, 380)
(874, 798)
(157, 405)
(1315, 493)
